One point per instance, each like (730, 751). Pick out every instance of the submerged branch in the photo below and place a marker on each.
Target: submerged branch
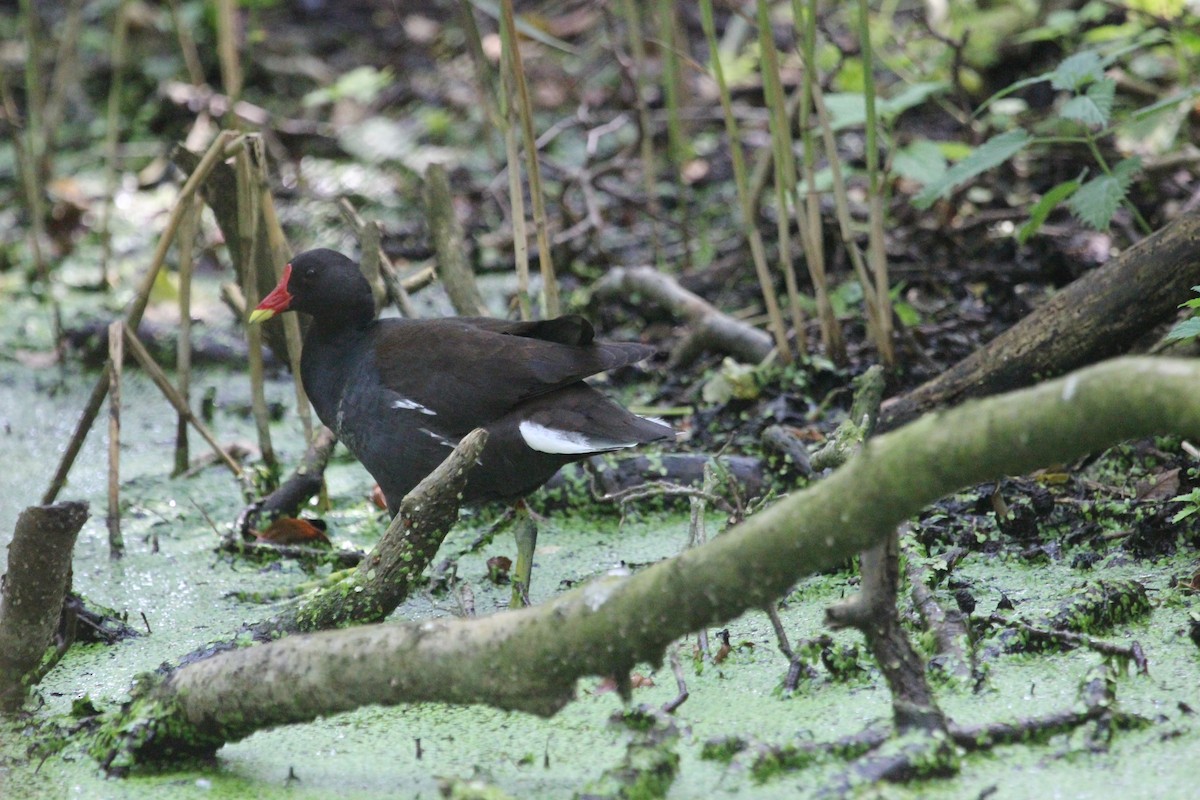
(711, 329)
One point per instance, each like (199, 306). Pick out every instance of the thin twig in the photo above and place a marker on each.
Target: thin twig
(160, 379)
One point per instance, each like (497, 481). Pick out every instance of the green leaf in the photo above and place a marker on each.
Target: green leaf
(955, 151)
(1165, 103)
(849, 109)
(994, 151)
(1077, 71)
(921, 161)
(910, 96)
(1194, 302)
(1043, 207)
(1096, 201)
(362, 84)
(1182, 515)
(846, 109)
(1126, 169)
(1185, 329)
(1094, 107)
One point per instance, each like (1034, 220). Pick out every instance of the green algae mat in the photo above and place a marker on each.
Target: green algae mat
(736, 735)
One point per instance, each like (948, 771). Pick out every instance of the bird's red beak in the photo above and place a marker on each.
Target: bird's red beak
(278, 301)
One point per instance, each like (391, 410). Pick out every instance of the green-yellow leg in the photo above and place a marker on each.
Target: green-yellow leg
(525, 532)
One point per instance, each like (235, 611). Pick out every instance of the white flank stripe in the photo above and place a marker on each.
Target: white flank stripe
(413, 405)
(564, 443)
(437, 437)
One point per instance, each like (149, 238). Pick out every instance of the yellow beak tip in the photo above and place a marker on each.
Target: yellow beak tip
(260, 315)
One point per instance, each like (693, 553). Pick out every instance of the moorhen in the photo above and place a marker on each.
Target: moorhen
(400, 393)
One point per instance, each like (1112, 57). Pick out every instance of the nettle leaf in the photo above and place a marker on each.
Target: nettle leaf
(849, 109)
(991, 153)
(910, 96)
(1077, 71)
(921, 161)
(1194, 302)
(846, 109)
(1093, 107)
(1096, 201)
(1185, 329)
(1167, 102)
(1043, 207)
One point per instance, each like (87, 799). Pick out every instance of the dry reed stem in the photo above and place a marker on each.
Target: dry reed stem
(116, 357)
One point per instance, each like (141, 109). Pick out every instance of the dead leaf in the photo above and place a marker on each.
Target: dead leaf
(1161, 486)
(290, 530)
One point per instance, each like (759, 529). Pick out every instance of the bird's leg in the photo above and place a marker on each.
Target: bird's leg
(525, 532)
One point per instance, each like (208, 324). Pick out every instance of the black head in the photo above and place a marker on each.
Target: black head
(324, 284)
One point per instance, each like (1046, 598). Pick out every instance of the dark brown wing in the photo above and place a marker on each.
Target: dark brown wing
(471, 371)
(567, 329)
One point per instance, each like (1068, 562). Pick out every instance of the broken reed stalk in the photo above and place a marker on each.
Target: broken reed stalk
(640, 68)
(116, 357)
(280, 255)
(397, 289)
(112, 135)
(186, 247)
(137, 307)
(551, 304)
(749, 228)
(449, 245)
(876, 253)
(678, 145)
(808, 212)
(368, 264)
(160, 379)
(247, 164)
(785, 166)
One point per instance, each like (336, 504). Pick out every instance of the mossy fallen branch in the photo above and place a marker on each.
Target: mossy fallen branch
(530, 660)
(381, 581)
